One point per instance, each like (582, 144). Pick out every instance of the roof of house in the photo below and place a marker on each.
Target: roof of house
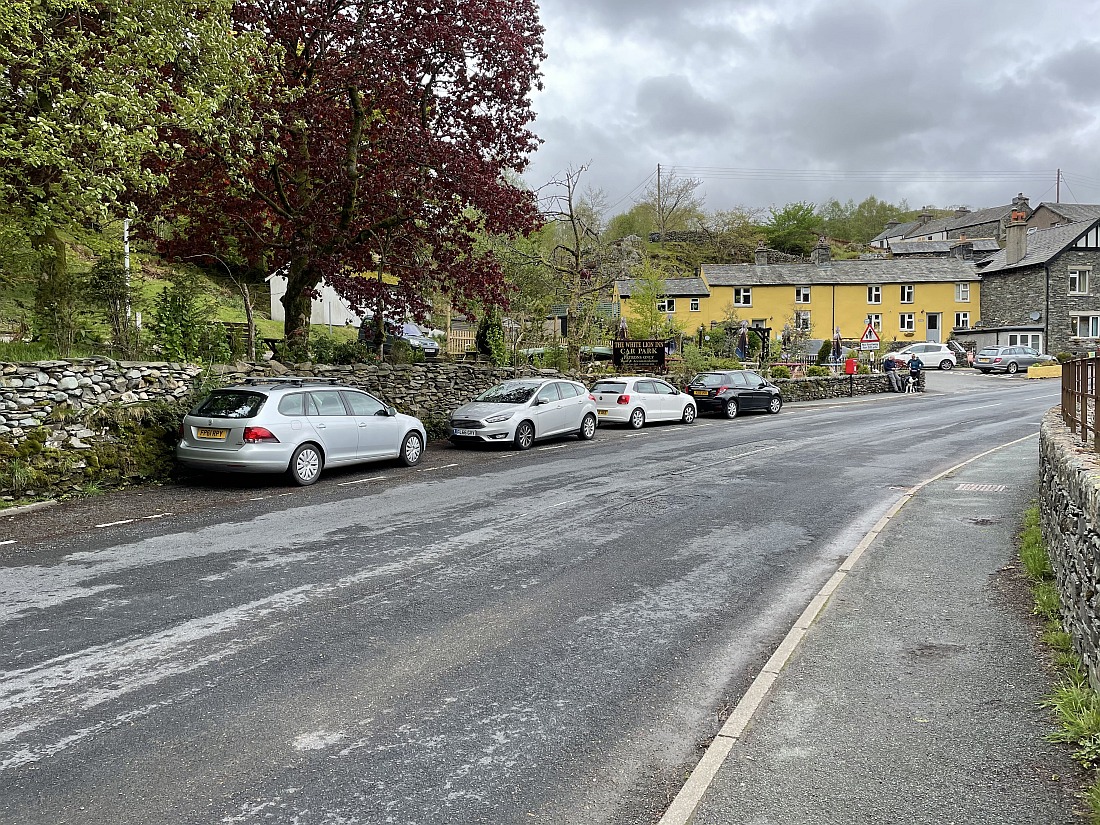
(991, 214)
(882, 271)
(942, 247)
(1042, 245)
(1074, 211)
(899, 231)
(930, 228)
(673, 288)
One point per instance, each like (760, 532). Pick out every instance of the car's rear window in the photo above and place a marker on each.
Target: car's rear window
(615, 387)
(712, 379)
(231, 404)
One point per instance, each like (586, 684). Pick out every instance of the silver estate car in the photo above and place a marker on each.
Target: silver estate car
(523, 410)
(1010, 359)
(295, 425)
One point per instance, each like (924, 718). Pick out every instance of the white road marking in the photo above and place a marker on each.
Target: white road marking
(156, 515)
(555, 447)
(114, 523)
(7, 541)
(360, 481)
(441, 467)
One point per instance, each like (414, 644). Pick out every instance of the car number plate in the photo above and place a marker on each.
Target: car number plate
(984, 360)
(216, 435)
(701, 393)
(460, 431)
(602, 412)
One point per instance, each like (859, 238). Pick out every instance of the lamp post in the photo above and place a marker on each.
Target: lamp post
(245, 297)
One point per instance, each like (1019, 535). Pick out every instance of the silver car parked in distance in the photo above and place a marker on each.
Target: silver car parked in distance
(523, 410)
(295, 425)
(1010, 359)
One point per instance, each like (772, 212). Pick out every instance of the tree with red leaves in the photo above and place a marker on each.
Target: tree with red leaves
(390, 128)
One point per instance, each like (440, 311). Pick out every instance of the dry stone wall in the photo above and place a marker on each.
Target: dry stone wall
(72, 424)
(1069, 506)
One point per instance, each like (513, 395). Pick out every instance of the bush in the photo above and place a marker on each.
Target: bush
(825, 352)
(780, 372)
(1063, 357)
(864, 369)
(817, 371)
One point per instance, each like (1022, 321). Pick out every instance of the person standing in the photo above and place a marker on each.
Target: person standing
(915, 365)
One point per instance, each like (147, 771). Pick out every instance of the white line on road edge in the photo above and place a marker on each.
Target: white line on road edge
(156, 515)
(360, 481)
(555, 447)
(441, 467)
(683, 807)
(115, 523)
(7, 541)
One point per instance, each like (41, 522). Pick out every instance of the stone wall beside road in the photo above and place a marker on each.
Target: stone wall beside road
(73, 424)
(1069, 506)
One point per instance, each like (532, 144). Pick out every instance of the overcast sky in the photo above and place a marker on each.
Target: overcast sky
(938, 102)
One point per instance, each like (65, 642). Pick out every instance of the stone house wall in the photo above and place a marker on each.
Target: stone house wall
(1069, 506)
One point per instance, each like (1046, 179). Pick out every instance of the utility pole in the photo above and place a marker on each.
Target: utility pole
(1058, 188)
(660, 213)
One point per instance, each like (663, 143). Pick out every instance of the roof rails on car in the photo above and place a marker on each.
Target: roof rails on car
(293, 381)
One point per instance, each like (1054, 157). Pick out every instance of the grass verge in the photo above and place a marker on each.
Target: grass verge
(1076, 706)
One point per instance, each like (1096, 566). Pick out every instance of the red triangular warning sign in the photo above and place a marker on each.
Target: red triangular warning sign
(869, 335)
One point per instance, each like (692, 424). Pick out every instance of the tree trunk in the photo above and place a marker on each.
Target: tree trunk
(297, 306)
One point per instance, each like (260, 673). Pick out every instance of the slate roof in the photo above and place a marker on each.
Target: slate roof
(930, 228)
(990, 214)
(882, 271)
(942, 247)
(1074, 211)
(674, 288)
(901, 230)
(1042, 245)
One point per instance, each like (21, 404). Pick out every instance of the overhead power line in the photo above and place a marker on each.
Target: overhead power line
(890, 175)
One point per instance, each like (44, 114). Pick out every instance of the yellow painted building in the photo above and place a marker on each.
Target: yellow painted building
(905, 299)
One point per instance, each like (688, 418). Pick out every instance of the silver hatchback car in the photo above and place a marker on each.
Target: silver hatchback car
(523, 410)
(295, 425)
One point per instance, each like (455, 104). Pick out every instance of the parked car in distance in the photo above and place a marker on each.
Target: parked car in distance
(636, 400)
(409, 333)
(1010, 359)
(521, 411)
(932, 355)
(732, 391)
(295, 425)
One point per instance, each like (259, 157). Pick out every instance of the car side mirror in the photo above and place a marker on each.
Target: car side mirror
(391, 411)
(761, 385)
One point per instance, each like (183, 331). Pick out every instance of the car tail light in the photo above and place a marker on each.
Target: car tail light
(591, 397)
(720, 390)
(997, 360)
(623, 399)
(255, 435)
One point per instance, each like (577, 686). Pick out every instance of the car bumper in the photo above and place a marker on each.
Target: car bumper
(619, 414)
(709, 404)
(493, 434)
(251, 458)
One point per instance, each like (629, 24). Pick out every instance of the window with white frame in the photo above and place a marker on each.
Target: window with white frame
(1087, 326)
(875, 320)
(1079, 281)
(802, 295)
(962, 320)
(962, 293)
(802, 319)
(666, 305)
(907, 322)
(874, 295)
(742, 296)
(907, 293)
(1026, 339)
(694, 304)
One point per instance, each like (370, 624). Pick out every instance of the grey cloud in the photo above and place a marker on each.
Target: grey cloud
(672, 107)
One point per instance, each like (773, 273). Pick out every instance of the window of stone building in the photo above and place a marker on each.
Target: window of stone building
(802, 295)
(907, 293)
(1079, 281)
(742, 296)
(907, 322)
(874, 294)
(962, 293)
(962, 320)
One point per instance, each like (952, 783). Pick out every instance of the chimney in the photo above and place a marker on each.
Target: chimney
(761, 254)
(1020, 204)
(925, 217)
(1016, 238)
(820, 253)
(963, 249)
(962, 210)
(890, 224)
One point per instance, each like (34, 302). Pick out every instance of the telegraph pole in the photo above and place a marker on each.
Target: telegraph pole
(660, 214)
(1058, 188)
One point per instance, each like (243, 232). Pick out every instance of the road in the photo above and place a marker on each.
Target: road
(495, 637)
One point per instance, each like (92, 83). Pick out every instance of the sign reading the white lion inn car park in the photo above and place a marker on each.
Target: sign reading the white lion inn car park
(639, 354)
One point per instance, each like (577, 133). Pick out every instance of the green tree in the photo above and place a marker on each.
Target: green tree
(107, 288)
(793, 229)
(640, 220)
(92, 96)
(858, 223)
(646, 319)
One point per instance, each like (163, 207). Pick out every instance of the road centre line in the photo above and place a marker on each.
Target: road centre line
(358, 481)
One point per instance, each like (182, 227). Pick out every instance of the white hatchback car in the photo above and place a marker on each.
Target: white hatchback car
(523, 410)
(932, 355)
(636, 399)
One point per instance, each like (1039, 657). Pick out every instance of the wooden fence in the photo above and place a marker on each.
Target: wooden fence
(1081, 397)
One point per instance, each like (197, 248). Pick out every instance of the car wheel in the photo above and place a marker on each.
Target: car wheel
(775, 405)
(588, 428)
(1013, 368)
(946, 364)
(689, 414)
(306, 465)
(411, 449)
(637, 418)
(731, 408)
(525, 435)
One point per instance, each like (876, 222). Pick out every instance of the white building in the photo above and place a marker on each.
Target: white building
(328, 308)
